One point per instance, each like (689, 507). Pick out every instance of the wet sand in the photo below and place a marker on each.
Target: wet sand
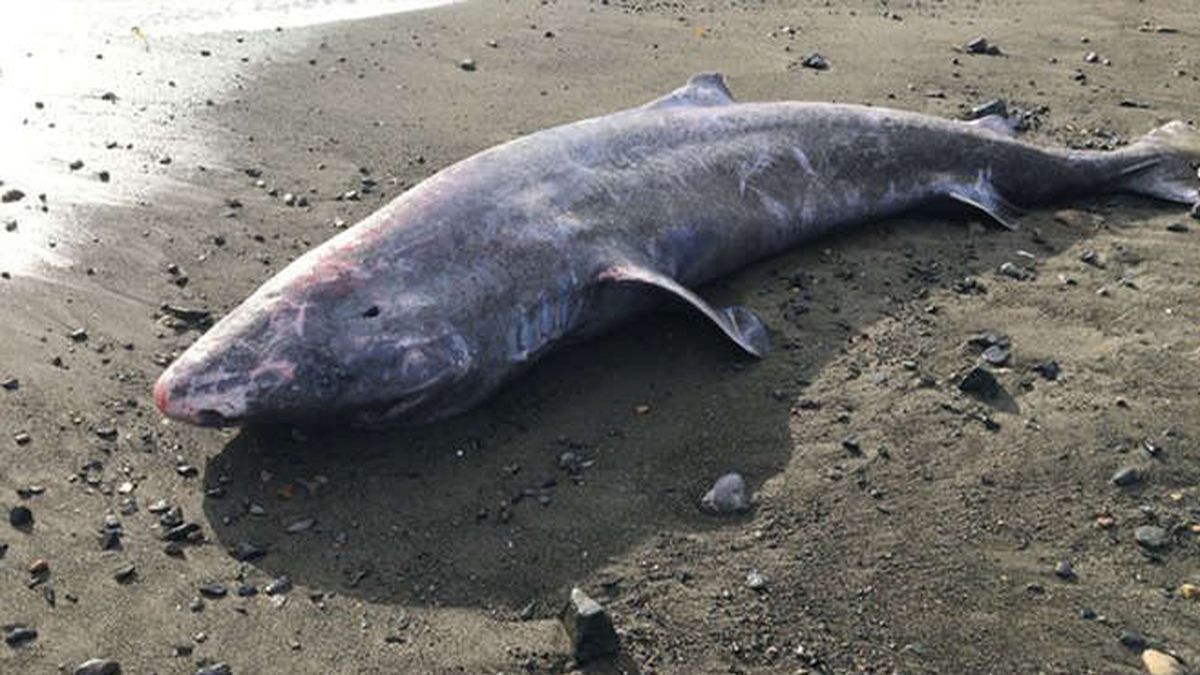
(927, 544)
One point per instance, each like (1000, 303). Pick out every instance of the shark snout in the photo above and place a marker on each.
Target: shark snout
(209, 400)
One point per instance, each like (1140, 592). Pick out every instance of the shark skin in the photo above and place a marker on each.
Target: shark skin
(427, 306)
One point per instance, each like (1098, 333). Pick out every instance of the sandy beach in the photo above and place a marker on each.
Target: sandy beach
(899, 524)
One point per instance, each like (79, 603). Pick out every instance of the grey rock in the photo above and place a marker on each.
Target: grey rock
(996, 106)
(756, 581)
(1064, 570)
(278, 586)
(245, 551)
(98, 667)
(589, 627)
(727, 495)
(17, 635)
(997, 355)
(467, 65)
(215, 669)
(20, 517)
(815, 61)
(1151, 537)
(1132, 640)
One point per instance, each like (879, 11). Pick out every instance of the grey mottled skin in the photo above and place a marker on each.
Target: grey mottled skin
(428, 305)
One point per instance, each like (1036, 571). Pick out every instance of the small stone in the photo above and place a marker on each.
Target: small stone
(125, 573)
(12, 195)
(159, 506)
(981, 382)
(1125, 476)
(1064, 570)
(1091, 57)
(1048, 369)
(75, 165)
(815, 61)
(1151, 537)
(20, 517)
(39, 568)
(727, 495)
(181, 532)
(756, 581)
(11, 384)
(1072, 217)
(1132, 640)
(278, 586)
(1160, 663)
(1189, 591)
(997, 355)
(17, 636)
(1092, 258)
(467, 65)
(213, 590)
(996, 106)
(1015, 271)
(980, 45)
(215, 669)
(1178, 226)
(98, 667)
(589, 628)
(303, 525)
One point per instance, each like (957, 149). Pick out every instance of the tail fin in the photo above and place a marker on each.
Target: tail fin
(1169, 172)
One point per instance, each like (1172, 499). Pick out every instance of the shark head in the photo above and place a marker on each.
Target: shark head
(320, 340)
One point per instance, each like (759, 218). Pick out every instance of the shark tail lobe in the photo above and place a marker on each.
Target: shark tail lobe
(1171, 155)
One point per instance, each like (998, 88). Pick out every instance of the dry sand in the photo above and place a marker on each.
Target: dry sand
(929, 548)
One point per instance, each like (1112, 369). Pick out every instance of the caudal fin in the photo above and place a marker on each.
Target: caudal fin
(1172, 153)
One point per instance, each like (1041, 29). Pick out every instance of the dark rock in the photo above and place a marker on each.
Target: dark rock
(16, 636)
(213, 590)
(181, 532)
(125, 573)
(1132, 640)
(1064, 570)
(98, 667)
(589, 628)
(980, 382)
(1152, 537)
(1178, 226)
(20, 517)
(215, 669)
(815, 61)
(467, 65)
(1125, 476)
(980, 45)
(12, 195)
(11, 384)
(1092, 258)
(727, 495)
(75, 165)
(247, 591)
(1048, 369)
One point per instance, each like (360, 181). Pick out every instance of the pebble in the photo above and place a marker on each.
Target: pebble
(278, 586)
(20, 517)
(996, 106)
(12, 195)
(1151, 537)
(1159, 663)
(756, 581)
(215, 669)
(125, 573)
(980, 45)
(181, 532)
(1048, 369)
(98, 667)
(997, 355)
(213, 590)
(589, 628)
(16, 636)
(75, 165)
(1132, 640)
(303, 525)
(1015, 271)
(727, 495)
(11, 384)
(1189, 591)
(1178, 226)
(1064, 570)
(1125, 476)
(815, 61)
(244, 551)
(981, 382)
(467, 65)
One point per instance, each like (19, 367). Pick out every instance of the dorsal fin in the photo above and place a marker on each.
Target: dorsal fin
(703, 89)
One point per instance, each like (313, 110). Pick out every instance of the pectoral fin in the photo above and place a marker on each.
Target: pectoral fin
(984, 197)
(739, 323)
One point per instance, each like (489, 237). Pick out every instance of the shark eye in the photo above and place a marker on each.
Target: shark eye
(372, 312)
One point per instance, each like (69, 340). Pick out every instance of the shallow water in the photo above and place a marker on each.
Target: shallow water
(58, 61)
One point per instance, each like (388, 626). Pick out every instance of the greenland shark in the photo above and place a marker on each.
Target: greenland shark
(431, 303)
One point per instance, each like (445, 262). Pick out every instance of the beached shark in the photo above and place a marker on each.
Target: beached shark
(427, 306)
